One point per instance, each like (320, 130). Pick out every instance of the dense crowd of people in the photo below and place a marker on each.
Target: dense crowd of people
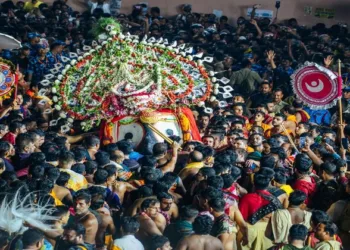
(269, 173)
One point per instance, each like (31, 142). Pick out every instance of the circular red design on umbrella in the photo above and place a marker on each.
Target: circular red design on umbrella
(315, 87)
(7, 78)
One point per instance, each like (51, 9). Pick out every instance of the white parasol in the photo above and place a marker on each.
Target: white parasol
(8, 42)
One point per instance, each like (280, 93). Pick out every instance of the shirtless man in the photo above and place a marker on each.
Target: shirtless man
(168, 208)
(118, 187)
(223, 228)
(167, 205)
(201, 239)
(193, 166)
(61, 193)
(283, 219)
(151, 221)
(166, 161)
(81, 206)
(106, 226)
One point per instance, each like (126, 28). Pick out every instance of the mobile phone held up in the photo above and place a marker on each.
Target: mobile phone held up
(278, 4)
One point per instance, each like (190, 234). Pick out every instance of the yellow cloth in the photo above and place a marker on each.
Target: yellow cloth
(109, 241)
(29, 6)
(292, 118)
(76, 181)
(250, 149)
(263, 125)
(58, 202)
(185, 127)
(193, 165)
(256, 237)
(114, 248)
(287, 188)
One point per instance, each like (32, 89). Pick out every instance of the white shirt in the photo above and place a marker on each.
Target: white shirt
(105, 7)
(128, 242)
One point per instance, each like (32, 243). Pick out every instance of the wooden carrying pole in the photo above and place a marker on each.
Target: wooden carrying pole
(290, 138)
(340, 98)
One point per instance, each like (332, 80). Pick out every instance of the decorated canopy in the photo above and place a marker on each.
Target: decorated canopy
(123, 76)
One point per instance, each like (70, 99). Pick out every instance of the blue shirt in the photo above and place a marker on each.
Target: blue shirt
(38, 68)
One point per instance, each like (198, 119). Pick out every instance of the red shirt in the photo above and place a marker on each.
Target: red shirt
(309, 188)
(10, 137)
(251, 203)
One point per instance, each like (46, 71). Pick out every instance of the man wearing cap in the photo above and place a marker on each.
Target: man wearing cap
(38, 65)
(54, 56)
(34, 40)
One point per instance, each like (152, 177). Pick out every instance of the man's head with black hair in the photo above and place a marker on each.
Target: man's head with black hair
(74, 233)
(32, 239)
(302, 164)
(298, 232)
(82, 202)
(63, 179)
(52, 173)
(100, 177)
(325, 231)
(204, 173)
(92, 142)
(221, 169)
(188, 213)
(208, 194)
(150, 207)
(216, 205)
(261, 182)
(79, 154)
(166, 201)
(318, 217)
(129, 225)
(297, 198)
(79, 168)
(126, 147)
(159, 150)
(159, 242)
(90, 167)
(215, 182)
(202, 225)
(66, 159)
(36, 172)
(102, 158)
(328, 170)
(280, 176)
(37, 158)
(24, 143)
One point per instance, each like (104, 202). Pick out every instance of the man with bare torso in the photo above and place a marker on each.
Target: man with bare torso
(82, 215)
(106, 225)
(151, 221)
(201, 239)
(61, 193)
